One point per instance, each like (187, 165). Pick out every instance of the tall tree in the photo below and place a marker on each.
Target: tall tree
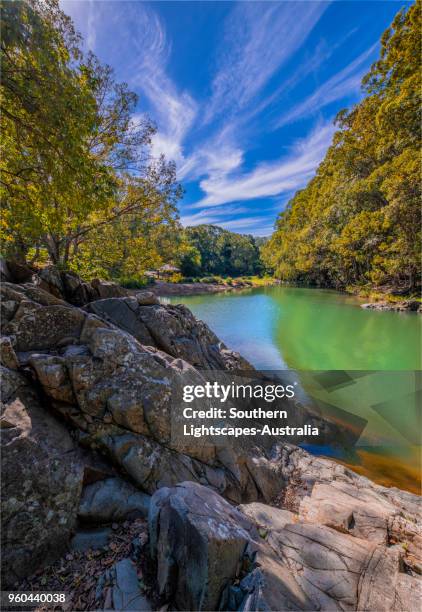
(73, 160)
(358, 221)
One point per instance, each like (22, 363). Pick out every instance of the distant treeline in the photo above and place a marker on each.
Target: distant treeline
(214, 250)
(358, 221)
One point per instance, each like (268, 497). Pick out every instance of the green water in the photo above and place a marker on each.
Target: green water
(307, 330)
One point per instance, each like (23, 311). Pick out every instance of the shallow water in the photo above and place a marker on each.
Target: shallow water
(310, 330)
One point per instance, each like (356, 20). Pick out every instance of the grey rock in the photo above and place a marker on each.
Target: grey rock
(146, 298)
(325, 492)
(177, 332)
(118, 589)
(267, 516)
(198, 541)
(8, 356)
(76, 291)
(123, 313)
(90, 539)
(41, 480)
(108, 289)
(47, 327)
(286, 564)
(172, 329)
(50, 279)
(112, 500)
(53, 376)
(152, 466)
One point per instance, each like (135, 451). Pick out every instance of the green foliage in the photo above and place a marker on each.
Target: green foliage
(359, 221)
(215, 251)
(77, 178)
(134, 282)
(190, 261)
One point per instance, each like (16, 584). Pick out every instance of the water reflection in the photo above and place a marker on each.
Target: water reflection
(307, 330)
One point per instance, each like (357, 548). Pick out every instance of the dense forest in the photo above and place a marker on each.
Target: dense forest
(358, 221)
(214, 250)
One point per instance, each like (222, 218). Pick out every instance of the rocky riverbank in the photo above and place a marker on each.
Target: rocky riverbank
(404, 306)
(98, 498)
(162, 288)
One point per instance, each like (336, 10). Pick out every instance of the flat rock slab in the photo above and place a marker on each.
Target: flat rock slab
(90, 538)
(118, 589)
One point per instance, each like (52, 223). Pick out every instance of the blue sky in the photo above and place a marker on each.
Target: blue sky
(243, 93)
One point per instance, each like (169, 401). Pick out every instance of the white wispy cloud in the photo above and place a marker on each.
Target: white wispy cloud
(339, 86)
(133, 39)
(270, 179)
(174, 111)
(227, 217)
(209, 139)
(213, 215)
(258, 39)
(218, 155)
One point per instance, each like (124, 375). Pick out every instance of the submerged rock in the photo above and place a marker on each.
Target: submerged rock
(404, 306)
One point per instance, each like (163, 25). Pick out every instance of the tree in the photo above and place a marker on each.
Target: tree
(191, 262)
(358, 220)
(74, 161)
(223, 252)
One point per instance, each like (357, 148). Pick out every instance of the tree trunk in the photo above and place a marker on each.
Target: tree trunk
(53, 248)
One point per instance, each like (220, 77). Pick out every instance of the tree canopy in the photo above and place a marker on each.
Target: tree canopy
(214, 250)
(358, 221)
(76, 168)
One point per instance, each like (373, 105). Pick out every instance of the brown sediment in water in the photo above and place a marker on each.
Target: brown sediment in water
(389, 471)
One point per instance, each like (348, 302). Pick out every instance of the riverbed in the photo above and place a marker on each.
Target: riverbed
(376, 356)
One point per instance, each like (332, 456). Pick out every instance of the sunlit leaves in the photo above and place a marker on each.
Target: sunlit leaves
(74, 160)
(359, 220)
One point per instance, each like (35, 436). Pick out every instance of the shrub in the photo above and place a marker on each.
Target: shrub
(135, 282)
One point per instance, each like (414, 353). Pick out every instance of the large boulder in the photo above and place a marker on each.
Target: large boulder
(41, 481)
(198, 541)
(172, 329)
(16, 272)
(108, 289)
(46, 328)
(50, 279)
(124, 314)
(77, 291)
